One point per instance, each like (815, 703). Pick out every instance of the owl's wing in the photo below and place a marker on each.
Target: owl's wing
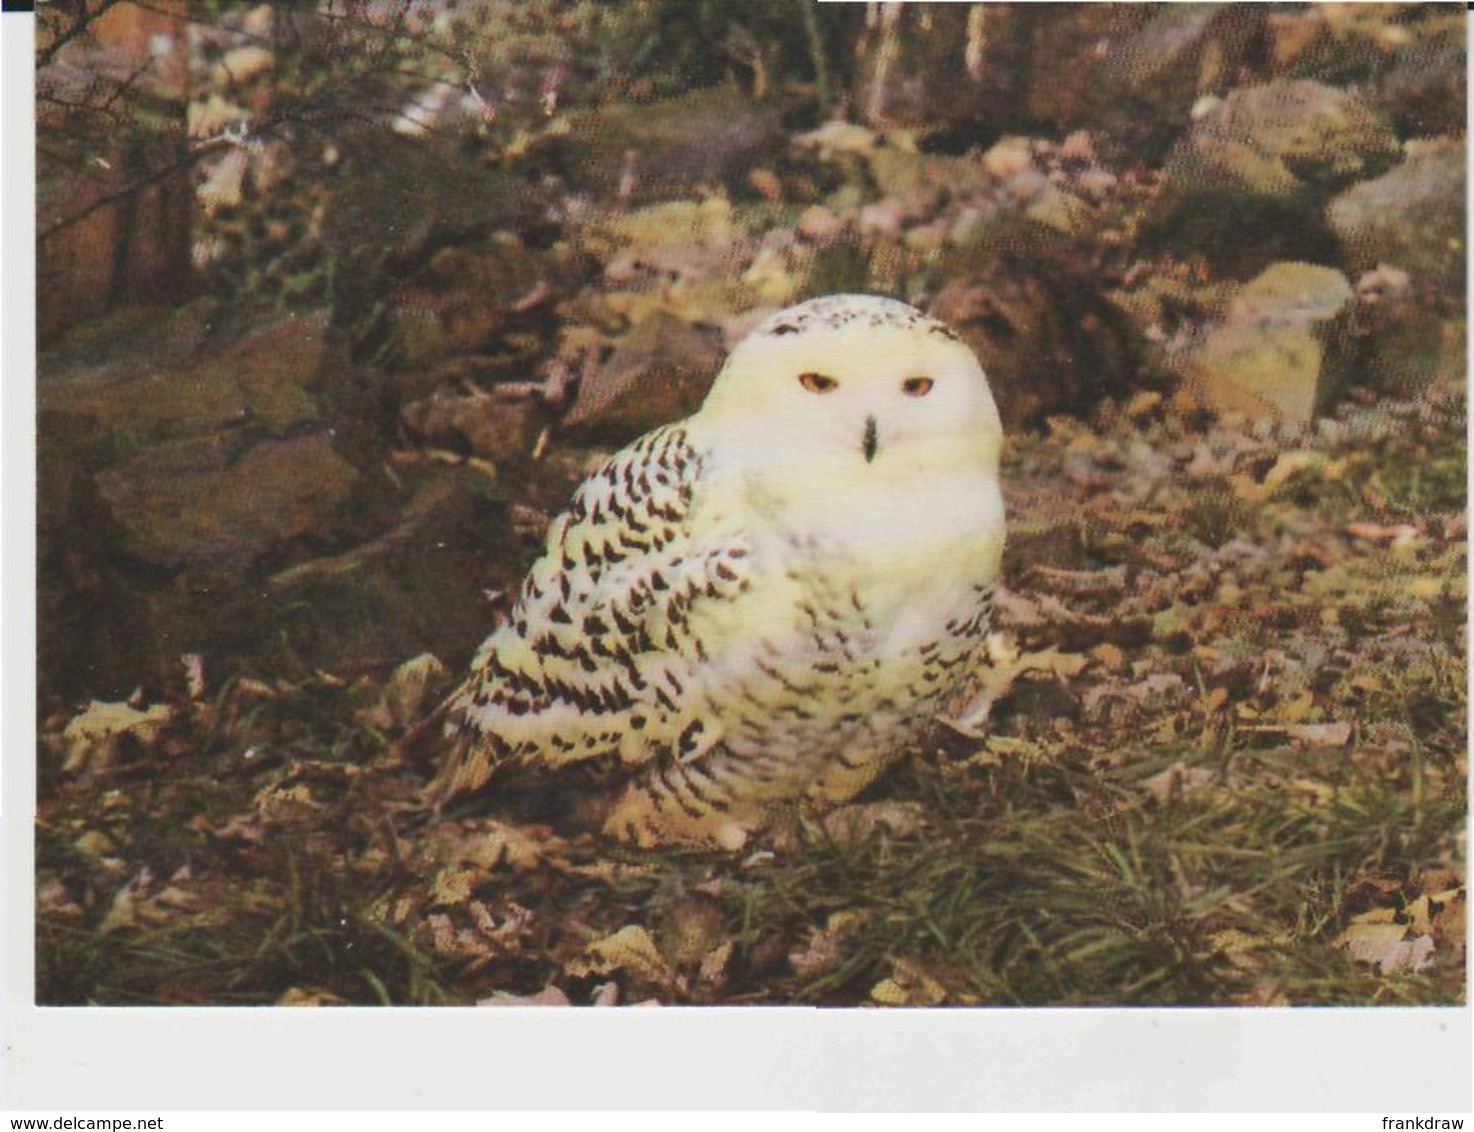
(597, 653)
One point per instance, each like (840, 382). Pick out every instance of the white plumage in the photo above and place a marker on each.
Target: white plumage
(763, 605)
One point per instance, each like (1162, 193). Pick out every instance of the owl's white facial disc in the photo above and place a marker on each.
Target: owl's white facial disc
(855, 386)
(858, 437)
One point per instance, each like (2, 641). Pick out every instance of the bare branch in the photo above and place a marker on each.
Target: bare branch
(83, 20)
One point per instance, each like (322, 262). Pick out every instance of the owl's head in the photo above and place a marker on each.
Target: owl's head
(856, 379)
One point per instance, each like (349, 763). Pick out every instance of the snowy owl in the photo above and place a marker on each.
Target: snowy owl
(759, 607)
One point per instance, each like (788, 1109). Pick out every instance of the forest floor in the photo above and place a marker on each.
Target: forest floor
(1223, 761)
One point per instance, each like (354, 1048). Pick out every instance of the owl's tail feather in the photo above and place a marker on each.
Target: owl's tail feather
(467, 762)
(460, 760)
(464, 760)
(519, 792)
(422, 744)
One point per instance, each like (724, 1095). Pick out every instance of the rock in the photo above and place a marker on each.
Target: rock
(1412, 217)
(883, 218)
(261, 381)
(659, 373)
(771, 277)
(424, 579)
(973, 224)
(1276, 354)
(1279, 138)
(643, 152)
(1024, 187)
(1425, 90)
(1291, 292)
(465, 298)
(1397, 336)
(1057, 209)
(676, 238)
(192, 503)
(835, 137)
(500, 424)
(819, 224)
(1132, 71)
(1291, 35)
(411, 198)
(928, 237)
(709, 222)
(1096, 185)
(1248, 183)
(512, 365)
(1077, 149)
(132, 340)
(1032, 311)
(766, 184)
(921, 179)
(277, 365)
(1008, 158)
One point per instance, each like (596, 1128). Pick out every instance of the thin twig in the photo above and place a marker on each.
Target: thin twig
(83, 21)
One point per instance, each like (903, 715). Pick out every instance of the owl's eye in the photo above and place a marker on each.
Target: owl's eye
(817, 383)
(917, 386)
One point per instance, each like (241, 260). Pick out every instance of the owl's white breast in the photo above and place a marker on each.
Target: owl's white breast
(910, 545)
(915, 552)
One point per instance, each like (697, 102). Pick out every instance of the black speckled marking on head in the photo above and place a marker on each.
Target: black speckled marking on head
(835, 311)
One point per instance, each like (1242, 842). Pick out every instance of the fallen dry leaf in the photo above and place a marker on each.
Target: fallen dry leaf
(690, 929)
(1320, 734)
(712, 973)
(909, 985)
(453, 886)
(1283, 468)
(824, 948)
(91, 739)
(1387, 940)
(486, 845)
(629, 949)
(1398, 535)
(1177, 780)
(309, 996)
(851, 824)
(548, 996)
(1007, 665)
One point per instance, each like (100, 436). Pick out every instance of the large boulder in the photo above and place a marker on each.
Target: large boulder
(193, 502)
(172, 482)
(1425, 89)
(1140, 77)
(1277, 352)
(1030, 307)
(658, 373)
(1247, 186)
(501, 424)
(972, 73)
(1400, 341)
(1413, 217)
(644, 152)
(150, 392)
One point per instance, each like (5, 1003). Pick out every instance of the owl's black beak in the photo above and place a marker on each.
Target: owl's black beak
(871, 441)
